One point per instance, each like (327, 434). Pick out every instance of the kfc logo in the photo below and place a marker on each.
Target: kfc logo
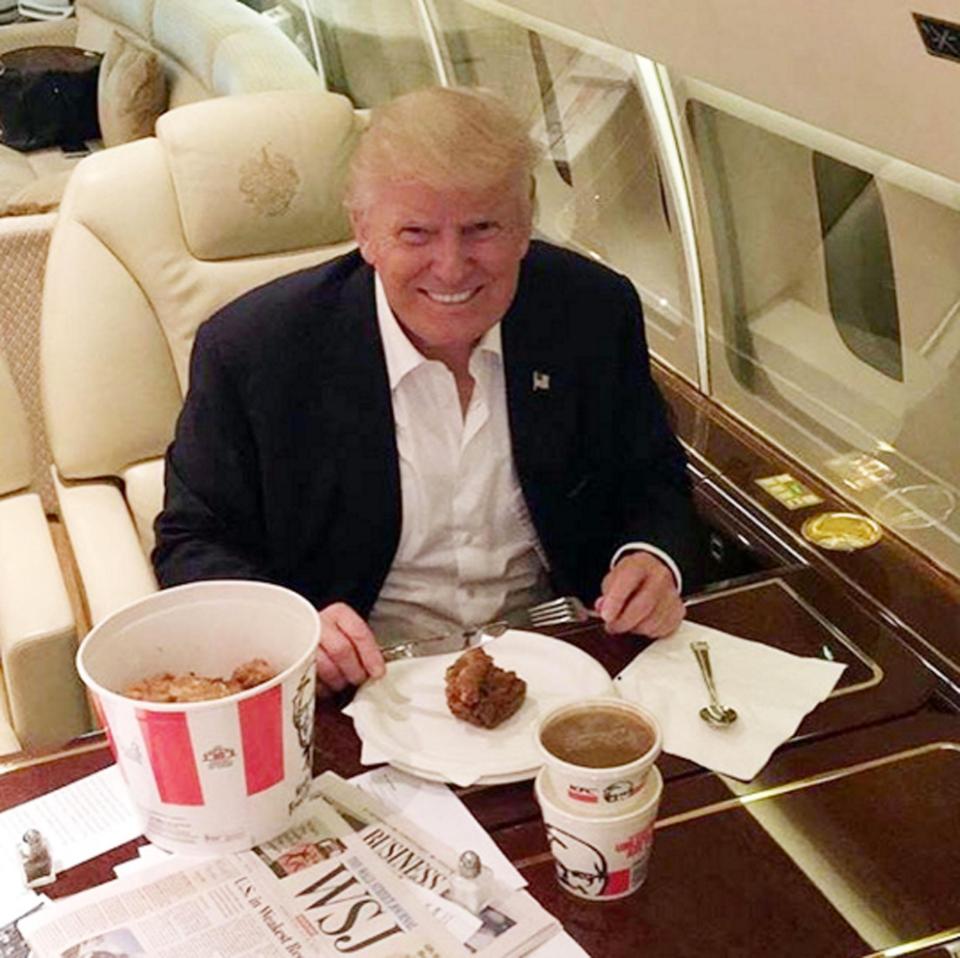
(580, 867)
(220, 756)
(636, 844)
(618, 791)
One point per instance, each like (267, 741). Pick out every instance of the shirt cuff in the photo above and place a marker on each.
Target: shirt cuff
(653, 550)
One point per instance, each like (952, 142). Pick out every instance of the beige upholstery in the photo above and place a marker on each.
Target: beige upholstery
(24, 241)
(41, 195)
(236, 191)
(46, 33)
(208, 48)
(14, 436)
(131, 91)
(18, 171)
(42, 702)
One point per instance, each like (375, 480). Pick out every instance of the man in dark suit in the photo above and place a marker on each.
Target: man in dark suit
(447, 424)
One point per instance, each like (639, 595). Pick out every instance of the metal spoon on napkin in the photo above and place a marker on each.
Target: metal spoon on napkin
(715, 714)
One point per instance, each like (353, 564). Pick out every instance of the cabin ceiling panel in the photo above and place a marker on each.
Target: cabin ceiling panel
(858, 69)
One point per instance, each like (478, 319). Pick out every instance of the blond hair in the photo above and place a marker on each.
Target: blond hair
(446, 137)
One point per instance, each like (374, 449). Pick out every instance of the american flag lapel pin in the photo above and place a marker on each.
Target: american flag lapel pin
(540, 381)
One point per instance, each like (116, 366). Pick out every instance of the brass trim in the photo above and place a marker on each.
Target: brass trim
(894, 951)
(785, 789)
(20, 761)
(814, 613)
(533, 860)
(812, 531)
(920, 944)
(711, 480)
(887, 615)
(823, 777)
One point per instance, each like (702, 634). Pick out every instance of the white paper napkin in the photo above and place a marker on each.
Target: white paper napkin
(370, 754)
(771, 690)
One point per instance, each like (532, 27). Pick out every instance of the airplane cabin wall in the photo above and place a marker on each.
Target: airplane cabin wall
(857, 68)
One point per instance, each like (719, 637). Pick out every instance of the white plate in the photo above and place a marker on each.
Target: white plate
(526, 775)
(404, 715)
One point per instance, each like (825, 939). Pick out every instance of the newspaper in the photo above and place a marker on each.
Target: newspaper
(513, 923)
(351, 879)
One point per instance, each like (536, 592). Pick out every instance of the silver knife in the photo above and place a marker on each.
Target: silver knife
(449, 642)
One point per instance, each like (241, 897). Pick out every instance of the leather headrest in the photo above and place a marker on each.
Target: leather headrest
(261, 173)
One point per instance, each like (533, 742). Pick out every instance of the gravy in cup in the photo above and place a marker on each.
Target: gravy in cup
(598, 737)
(598, 753)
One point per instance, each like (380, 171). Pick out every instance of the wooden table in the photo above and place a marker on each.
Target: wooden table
(846, 844)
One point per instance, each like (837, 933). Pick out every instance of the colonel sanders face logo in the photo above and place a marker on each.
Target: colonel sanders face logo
(303, 706)
(580, 866)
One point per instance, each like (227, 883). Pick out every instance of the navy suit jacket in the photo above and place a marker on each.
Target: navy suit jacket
(284, 466)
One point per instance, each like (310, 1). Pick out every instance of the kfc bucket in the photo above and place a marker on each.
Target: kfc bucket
(220, 775)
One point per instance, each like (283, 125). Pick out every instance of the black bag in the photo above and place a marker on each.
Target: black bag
(48, 97)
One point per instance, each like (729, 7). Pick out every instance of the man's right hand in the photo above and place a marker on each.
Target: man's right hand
(348, 653)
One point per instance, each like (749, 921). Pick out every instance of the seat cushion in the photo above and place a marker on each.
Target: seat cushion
(143, 490)
(20, 171)
(132, 92)
(16, 172)
(43, 195)
(15, 443)
(38, 631)
(8, 740)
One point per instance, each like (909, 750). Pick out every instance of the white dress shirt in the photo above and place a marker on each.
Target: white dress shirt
(468, 551)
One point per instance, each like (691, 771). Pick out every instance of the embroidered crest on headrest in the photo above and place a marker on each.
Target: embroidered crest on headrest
(269, 182)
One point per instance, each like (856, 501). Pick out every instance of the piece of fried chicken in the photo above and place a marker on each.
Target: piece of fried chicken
(481, 693)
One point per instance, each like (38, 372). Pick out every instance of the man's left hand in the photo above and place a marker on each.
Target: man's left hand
(640, 595)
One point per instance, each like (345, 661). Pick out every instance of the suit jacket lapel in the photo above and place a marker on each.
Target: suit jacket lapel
(540, 379)
(367, 450)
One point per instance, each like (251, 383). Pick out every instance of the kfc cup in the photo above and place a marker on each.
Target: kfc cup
(220, 775)
(597, 754)
(600, 859)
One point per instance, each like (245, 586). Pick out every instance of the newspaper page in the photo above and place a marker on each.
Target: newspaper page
(317, 890)
(512, 923)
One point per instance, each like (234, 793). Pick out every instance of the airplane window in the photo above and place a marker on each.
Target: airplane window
(600, 188)
(290, 17)
(370, 50)
(832, 302)
(858, 264)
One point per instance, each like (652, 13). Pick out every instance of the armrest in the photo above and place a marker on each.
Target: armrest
(38, 636)
(46, 33)
(113, 568)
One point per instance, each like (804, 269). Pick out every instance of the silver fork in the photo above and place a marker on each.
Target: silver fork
(566, 609)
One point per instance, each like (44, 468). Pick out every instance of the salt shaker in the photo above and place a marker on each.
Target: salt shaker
(473, 885)
(35, 859)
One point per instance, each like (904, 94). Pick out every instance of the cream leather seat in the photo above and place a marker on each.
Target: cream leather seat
(152, 238)
(42, 702)
(207, 48)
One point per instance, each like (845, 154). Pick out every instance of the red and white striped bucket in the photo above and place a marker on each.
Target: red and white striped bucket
(221, 775)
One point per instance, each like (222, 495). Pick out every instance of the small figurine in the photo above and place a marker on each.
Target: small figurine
(473, 885)
(35, 859)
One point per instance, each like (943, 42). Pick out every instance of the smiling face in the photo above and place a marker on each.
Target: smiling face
(449, 259)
